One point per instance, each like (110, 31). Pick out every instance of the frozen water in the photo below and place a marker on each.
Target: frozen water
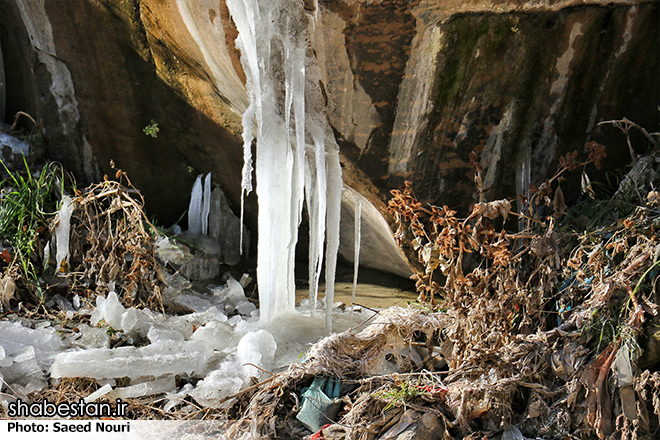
(109, 309)
(356, 246)
(176, 397)
(117, 317)
(161, 385)
(234, 291)
(166, 251)
(17, 145)
(215, 387)
(274, 41)
(206, 205)
(195, 207)
(257, 348)
(92, 337)
(63, 230)
(245, 307)
(225, 227)
(157, 359)
(24, 369)
(162, 333)
(193, 302)
(14, 338)
(105, 389)
(216, 334)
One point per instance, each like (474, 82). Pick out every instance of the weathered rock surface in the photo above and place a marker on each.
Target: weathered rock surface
(412, 88)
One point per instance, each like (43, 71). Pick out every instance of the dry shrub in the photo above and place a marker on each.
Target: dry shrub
(542, 332)
(112, 244)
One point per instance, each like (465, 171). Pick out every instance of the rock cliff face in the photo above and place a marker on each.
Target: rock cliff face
(412, 88)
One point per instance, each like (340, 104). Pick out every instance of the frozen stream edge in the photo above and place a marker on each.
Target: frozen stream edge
(204, 345)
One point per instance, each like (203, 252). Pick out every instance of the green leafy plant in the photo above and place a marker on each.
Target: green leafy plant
(152, 129)
(26, 205)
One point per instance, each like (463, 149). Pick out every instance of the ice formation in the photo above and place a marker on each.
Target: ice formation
(358, 239)
(156, 359)
(297, 156)
(63, 230)
(195, 207)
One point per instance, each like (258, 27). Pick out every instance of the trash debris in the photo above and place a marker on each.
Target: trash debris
(320, 404)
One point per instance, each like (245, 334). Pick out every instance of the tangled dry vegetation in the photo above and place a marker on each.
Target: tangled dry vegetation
(111, 246)
(551, 332)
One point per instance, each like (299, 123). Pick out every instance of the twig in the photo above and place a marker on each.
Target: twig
(253, 387)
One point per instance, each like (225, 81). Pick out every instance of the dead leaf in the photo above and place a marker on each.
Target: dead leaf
(558, 202)
(492, 209)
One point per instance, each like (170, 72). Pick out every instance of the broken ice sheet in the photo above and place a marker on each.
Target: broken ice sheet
(157, 359)
(14, 338)
(215, 387)
(149, 388)
(175, 398)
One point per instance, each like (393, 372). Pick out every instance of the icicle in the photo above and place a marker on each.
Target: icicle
(62, 231)
(356, 251)
(286, 110)
(195, 207)
(206, 205)
(334, 214)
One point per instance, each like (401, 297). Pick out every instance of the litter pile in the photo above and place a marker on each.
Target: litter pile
(553, 334)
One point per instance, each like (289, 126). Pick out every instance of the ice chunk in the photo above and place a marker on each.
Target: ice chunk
(14, 338)
(92, 337)
(176, 398)
(201, 267)
(216, 334)
(157, 359)
(234, 291)
(162, 385)
(166, 251)
(105, 389)
(225, 227)
(116, 316)
(24, 368)
(63, 230)
(195, 207)
(215, 387)
(257, 348)
(4, 360)
(109, 309)
(194, 303)
(163, 333)
(245, 307)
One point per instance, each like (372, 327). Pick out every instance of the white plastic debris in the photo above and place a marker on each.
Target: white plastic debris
(157, 359)
(256, 348)
(63, 230)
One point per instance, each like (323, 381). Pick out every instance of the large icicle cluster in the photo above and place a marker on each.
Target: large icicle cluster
(297, 157)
